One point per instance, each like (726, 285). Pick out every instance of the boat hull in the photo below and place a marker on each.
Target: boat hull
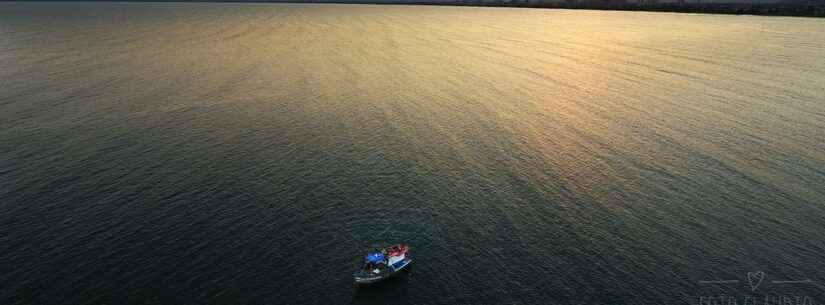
(363, 281)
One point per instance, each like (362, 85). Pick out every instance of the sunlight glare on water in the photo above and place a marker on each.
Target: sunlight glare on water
(248, 153)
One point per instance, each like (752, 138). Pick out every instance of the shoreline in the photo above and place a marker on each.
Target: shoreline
(816, 10)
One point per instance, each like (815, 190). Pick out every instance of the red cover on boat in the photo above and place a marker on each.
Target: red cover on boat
(397, 250)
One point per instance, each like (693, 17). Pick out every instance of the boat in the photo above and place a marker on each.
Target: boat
(383, 263)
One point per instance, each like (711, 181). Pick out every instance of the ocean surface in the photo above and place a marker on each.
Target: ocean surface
(157, 153)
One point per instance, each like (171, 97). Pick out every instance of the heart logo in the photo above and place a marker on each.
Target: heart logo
(755, 278)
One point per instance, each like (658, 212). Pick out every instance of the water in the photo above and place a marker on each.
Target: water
(248, 153)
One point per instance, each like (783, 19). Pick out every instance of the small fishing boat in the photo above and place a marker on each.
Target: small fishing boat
(383, 263)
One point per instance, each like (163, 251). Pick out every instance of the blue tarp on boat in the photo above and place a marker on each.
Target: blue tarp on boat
(375, 257)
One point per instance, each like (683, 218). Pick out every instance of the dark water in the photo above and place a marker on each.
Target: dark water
(247, 154)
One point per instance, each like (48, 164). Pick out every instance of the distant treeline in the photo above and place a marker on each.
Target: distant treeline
(802, 8)
(767, 9)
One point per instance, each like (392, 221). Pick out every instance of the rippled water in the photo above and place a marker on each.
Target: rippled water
(248, 153)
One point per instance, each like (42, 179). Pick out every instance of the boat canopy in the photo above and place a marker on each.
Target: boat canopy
(375, 257)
